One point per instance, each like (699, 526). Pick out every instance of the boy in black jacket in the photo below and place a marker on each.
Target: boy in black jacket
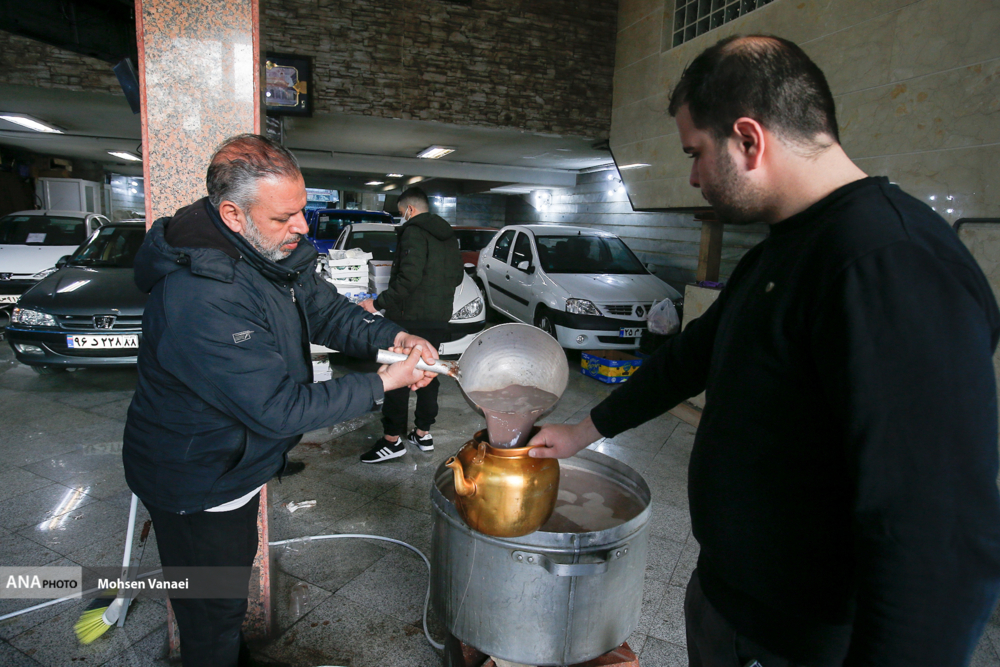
(426, 269)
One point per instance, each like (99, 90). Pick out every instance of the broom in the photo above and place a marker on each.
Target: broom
(100, 614)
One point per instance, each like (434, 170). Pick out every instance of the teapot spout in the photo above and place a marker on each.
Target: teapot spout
(463, 486)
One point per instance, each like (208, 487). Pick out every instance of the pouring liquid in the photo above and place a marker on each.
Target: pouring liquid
(511, 412)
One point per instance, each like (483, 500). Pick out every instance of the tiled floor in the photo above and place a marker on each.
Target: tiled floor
(63, 501)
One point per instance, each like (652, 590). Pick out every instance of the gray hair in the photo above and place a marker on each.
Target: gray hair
(240, 162)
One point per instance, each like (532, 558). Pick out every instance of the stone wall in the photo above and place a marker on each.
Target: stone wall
(538, 65)
(482, 210)
(26, 62)
(916, 82)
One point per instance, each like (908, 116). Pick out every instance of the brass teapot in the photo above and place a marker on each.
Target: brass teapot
(503, 492)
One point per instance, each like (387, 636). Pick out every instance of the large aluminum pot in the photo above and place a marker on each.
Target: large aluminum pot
(551, 597)
(513, 354)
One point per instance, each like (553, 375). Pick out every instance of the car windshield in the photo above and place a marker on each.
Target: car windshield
(586, 254)
(381, 244)
(329, 224)
(113, 246)
(474, 239)
(42, 230)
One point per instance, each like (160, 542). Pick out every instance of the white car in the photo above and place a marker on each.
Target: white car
(582, 286)
(468, 309)
(31, 242)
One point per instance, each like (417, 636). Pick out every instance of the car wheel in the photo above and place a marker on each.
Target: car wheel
(544, 322)
(48, 370)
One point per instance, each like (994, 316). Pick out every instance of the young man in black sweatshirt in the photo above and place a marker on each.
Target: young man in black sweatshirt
(842, 482)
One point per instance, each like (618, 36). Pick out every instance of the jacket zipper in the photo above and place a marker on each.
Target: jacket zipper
(304, 321)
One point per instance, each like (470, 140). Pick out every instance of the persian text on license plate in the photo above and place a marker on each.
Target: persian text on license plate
(121, 341)
(630, 332)
(8, 298)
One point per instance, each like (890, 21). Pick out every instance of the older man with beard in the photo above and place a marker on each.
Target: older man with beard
(225, 384)
(842, 482)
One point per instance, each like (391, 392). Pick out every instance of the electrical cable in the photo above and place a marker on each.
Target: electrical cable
(278, 543)
(427, 597)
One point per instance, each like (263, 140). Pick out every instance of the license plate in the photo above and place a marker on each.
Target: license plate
(122, 341)
(8, 298)
(630, 332)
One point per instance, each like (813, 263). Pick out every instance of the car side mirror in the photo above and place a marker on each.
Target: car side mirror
(62, 261)
(469, 268)
(525, 266)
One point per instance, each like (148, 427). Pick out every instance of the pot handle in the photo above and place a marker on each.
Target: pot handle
(570, 569)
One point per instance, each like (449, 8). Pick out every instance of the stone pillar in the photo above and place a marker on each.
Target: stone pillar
(199, 75)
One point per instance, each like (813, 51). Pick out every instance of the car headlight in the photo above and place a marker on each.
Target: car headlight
(581, 307)
(469, 310)
(32, 318)
(44, 272)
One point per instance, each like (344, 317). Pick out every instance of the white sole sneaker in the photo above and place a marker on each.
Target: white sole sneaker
(424, 445)
(383, 453)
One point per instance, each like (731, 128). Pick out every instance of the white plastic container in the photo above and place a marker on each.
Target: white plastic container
(359, 278)
(379, 268)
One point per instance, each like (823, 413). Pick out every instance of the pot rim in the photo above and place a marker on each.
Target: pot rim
(586, 459)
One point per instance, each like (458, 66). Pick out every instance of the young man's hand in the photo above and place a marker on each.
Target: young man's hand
(369, 305)
(560, 441)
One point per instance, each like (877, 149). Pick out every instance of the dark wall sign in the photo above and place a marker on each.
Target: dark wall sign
(288, 85)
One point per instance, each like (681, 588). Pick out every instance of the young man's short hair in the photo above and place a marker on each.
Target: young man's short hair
(414, 197)
(766, 78)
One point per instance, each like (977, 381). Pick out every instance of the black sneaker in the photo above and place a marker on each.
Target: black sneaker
(425, 443)
(383, 451)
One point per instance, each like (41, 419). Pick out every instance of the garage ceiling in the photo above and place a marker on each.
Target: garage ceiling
(336, 151)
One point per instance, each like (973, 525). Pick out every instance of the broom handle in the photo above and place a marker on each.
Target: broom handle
(127, 560)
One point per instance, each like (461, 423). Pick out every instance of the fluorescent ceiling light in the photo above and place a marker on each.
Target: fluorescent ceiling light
(374, 182)
(394, 175)
(434, 152)
(125, 156)
(415, 179)
(633, 166)
(30, 122)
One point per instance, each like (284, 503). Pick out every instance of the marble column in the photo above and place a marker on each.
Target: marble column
(199, 72)
(199, 75)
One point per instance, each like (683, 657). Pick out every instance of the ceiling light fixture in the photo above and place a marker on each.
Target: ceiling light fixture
(30, 122)
(435, 152)
(635, 165)
(374, 182)
(125, 156)
(394, 175)
(415, 179)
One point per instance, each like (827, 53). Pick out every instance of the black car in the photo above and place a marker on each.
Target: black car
(89, 312)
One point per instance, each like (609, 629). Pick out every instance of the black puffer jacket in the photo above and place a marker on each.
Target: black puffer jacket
(225, 379)
(425, 271)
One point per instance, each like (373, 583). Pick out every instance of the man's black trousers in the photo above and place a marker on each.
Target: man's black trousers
(209, 629)
(396, 403)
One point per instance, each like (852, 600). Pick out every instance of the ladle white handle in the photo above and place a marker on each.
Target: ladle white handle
(441, 366)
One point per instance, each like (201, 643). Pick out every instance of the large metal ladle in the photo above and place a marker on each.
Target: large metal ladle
(499, 357)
